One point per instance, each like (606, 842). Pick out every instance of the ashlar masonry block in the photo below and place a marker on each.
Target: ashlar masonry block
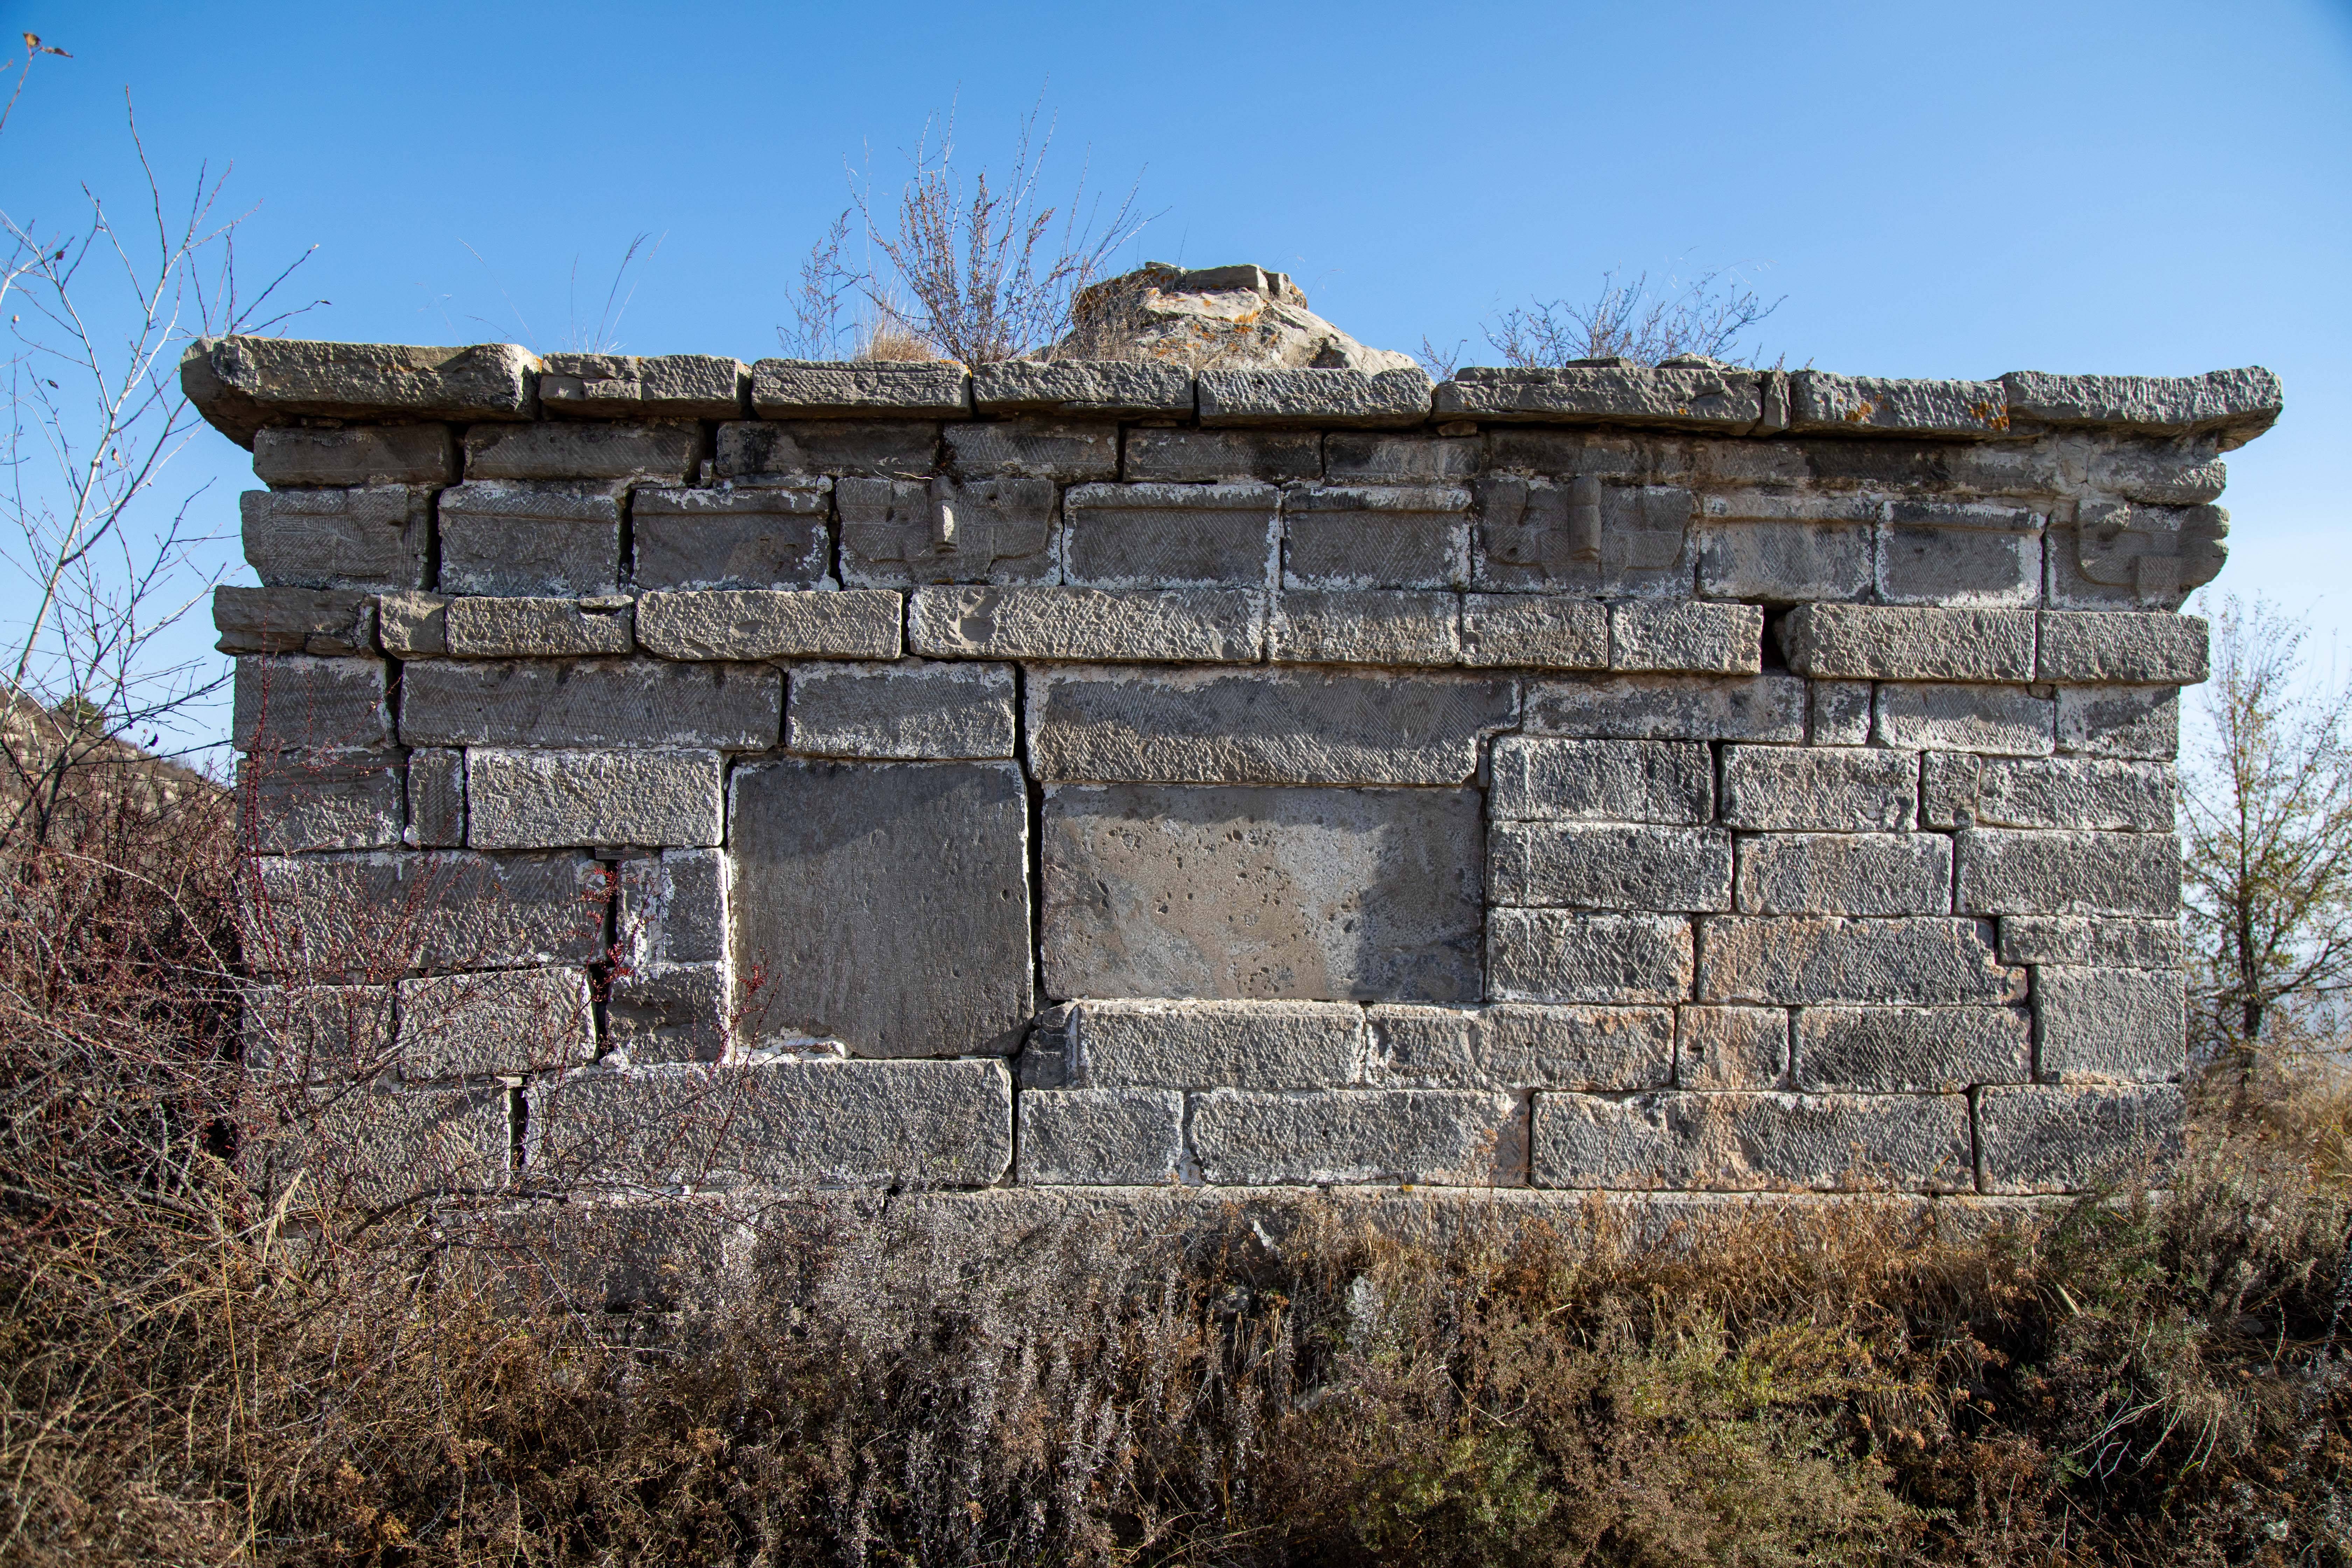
(1895, 1050)
(1747, 1142)
(1035, 448)
(300, 802)
(1670, 707)
(1731, 1047)
(504, 1022)
(296, 703)
(540, 799)
(2120, 721)
(1370, 625)
(2042, 1137)
(1534, 535)
(1172, 536)
(1824, 789)
(1666, 782)
(1204, 1045)
(1435, 1137)
(1089, 625)
(591, 702)
(758, 623)
(769, 451)
(378, 537)
(1802, 961)
(2102, 1023)
(522, 538)
(1513, 1046)
(2004, 720)
(1609, 865)
(1563, 955)
(2060, 873)
(286, 456)
(771, 537)
(1959, 554)
(1870, 642)
(326, 916)
(1375, 537)
(1101, 1137)
(896, 532)
(1845, 874)
(1535, 631)
(1963, 791)
(545, 450)
(901, 711)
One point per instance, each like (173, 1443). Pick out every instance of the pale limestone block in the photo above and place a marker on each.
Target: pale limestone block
(482, 627)
(380, 537)
(297, 802)
(1855, 789)
(1874, 642)
(1560, 955)
(1746, 1142)
(2104, 942)
(2120, 721)
(1366, 626)
(293, 703)
(1101, 1137)
(378, 912)
(1535, 630)
(1375, 536)
(1087, 624)
(758, 623)
(1670, 707)
(1963, 791)
(1996, 719)
(767, 537)
(1691, 634)
(1845, 874)
(1895, 1050)
(544, 451)
(1208, 1044)
(2094, 1024)
(2119, 648)
(1731, 1047)
(360, 455)
(558, 799)
(591, 702)
(1035, 448)
(2048, 1139)
(2004, 872)
(1171, 536)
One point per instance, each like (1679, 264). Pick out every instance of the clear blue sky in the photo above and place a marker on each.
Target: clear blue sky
(1937, 190)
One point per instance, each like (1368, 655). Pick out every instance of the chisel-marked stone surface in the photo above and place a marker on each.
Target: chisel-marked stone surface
(333, 623)
(2051, 1139)
(374, 538)
(1206, 1045)
(2008, 873)
(1171, 536)
(886, 905)
(1731, 1047)
(1440, 1137)
(561, 539)
(1845, 874)
(1101, 1137)
(1823, 790)
(1560, 955)
(2114, 1024)
(908, 711)
(1869, 642)
(479, 626)
(1747, 1142)
(1895, 1050)
(2101, 941)
(1517, 1046)
(757, 624)
(1534, 631)
(1609, 865)
(389, 911)
(436, 799)
(1963, 791)
(1671, 708)
(768, 538)
(2120, 721)
(357, 455)
(1183, 456)
(556, 799)
(1089, 624)
(1370, 625)
(1999, 719)
(335, 802)
(545, 450)
(1272, 893)
(2117, 648)
(768, 451)
(508, 1021)
(317, 1033)
(1799, 961)
(1346, 537)
(1035, 448)
(591, 702)
(1689, 636)
(1670, 781)
(296, 703)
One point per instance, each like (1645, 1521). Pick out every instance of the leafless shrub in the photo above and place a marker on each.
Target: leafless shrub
(1710, 318)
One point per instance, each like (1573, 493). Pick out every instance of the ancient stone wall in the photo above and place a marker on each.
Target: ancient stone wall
(1098, 773)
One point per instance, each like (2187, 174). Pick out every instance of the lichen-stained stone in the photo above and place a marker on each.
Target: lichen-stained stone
(2003, 872)
(1219, 726)
(1433, 1136)
(356, 455)
(323, 916)
(1840, 713)
(1731, 1047)
(1562, 955)
(293, 703)
(1700, 396)
(2042, 1137)
(1959, 554)
(509, 1021)
(1609, 865)
(668, 1013)
(763, 451)
(1209, 1045)
(772, 537)
(1261, 893)
(1100, 1137)
(1781, 561)
(1035, 448)
(436, 799)
(1582, 536)
(761, 623)
(380, 537)
(1998, 718)
(1671, 708)
(818, 389)
(1874, 405)
(1185, 456)
(1874, 642)
(2110, 1023)
(481, 626)
(1807, 961)
(895, 532)
(1313, 396)
(1369, 458)
(2124, 554)
(1841, 790)
(317, 1033)
(1959, 790)
(331, 623)
(1686, 634)
(521, 537)
(1368, 626)
(1206, 624)
(1669, 782)
(412, 625)
(591, 702)
(1099, 388)
(1171, 536)
(1375, 536)
(544, 451)
(2120, 721)
(633, 386)
(1517, 1046)
(241, 383)
(2239, 403)
(2104, 942)
(1534, 631)
(1747, 1142)
(673, 908)
(1899, 1050)
(2115, 646)
(782, 1124)
(885, 905)
(1845, 874)
(557, 799)
(339, 801)
(905, 711)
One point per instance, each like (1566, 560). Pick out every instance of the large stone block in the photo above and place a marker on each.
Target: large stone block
(542, 450)
(1370, 625)
(1822, 790)
(1182, 457)
(317, 1033)
(758, 623)
(1671, 708)
(335, 802)
(1271, 727)
(1375, 537)
(1668, 782)
(819, 389)
(1516, 1046)
(909, 711)
(1809, 961)
(331, 623)
(1101, 1137)
(1035, 448)
(1317, 893)
(592, 703)
(885, 905)
(767, 538)
(356, 455)
(1874, 642)
(507, 1022)
(1959, 554)
(2104, 942)
(1997, 719)
(1609, 865)
(296, 704)
(764, 451)
(1212, 1045)
(2120, 721)
(1821, 403)
(1102, 387)
(1583, 536)
(380, 537)
(1845, 874)
(2120, 647)
(899, 531)
(1172, 536)
(1207, 624)
(1534, 630)
(516, 537)
(1746, 1142)
(1431, 1136)
(479, 626)
(1561, 955)
(1689, 635)
(557, 799)
(1368, 457)
(241, 383)
(2240, 404)
(2110, 1023)
(1900, 1050)
(2045, 1138)
(324, 916)
(436, 799)
(1731, 1047)
(1782, 560)
(633, 386)
(1697, 397)
(1314, 397)
(785, 1124)
(1963, 791)
(2003, 872)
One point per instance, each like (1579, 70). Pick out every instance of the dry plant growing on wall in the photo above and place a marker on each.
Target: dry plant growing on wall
(1712, 317)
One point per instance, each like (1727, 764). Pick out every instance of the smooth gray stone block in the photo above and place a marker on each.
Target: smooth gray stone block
(2003, 872)
(558, 799)
(1807, 961)
(515, 537)
(541, 450)
(1171, 536)
(1212, 1045)
(1735, 1143)
(1731, 1047)
(331, 623)
(1691, 636)
(241, 383)
(1609, 865)
(357, 455)
(2120, 721)
(2047, 1138)
(818, 389)
(1900, 1050)
(1083, 386)
(633, 386)
(1035, 448)
(1534, 630)
(1436, 1137)
(1182, 457)
(1375, 537)
(341, 802)
(1371, 626)
(488, 627)
(2104, 942)
(1998, 718)
(591, 702)
(1087, 624)
(907, 710)
(1819, 789)
(2120, 647)
(2089, 792)
(1671, 708)
(2105, 1024)
(759, 623)
(1561, 955)
(1100, 1137)
(1783, 561)
(506, 1021)
(763, 450)
(767, 538)
(1327, 397)
(1959, 555)
(293, 703)
(1845, 874)
(377, 538)
(1872, 642)
(382, 913)
(1668, 782)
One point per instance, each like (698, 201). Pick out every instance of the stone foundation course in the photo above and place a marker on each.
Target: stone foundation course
(671, 773)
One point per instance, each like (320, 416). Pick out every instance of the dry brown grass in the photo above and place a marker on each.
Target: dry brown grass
(189, 1373)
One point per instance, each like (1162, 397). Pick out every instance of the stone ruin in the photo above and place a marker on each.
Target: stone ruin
(1129, 774)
